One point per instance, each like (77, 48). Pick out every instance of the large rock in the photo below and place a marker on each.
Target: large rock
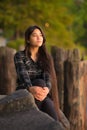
(19, 112)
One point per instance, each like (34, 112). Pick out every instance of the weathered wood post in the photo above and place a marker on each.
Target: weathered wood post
(7, 71)
(71, 75)
(73, 94)
(83, 93)
(59, 56)
(71, 90)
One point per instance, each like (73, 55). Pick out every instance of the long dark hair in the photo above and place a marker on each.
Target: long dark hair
(46, 63)
(43, 55)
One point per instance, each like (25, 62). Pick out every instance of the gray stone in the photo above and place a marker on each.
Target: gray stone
(18, 111)
(17, 101)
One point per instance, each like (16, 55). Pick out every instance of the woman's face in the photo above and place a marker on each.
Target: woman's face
(36, 38)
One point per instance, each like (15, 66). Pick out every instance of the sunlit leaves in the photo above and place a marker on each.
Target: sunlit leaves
(62, 20)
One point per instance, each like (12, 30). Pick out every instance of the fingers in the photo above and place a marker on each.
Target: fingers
(39, 93)
(40, 97)
(46, 90)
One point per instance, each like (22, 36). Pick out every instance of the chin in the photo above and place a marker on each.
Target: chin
(39, 45)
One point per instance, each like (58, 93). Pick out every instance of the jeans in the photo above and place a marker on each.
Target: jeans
(47, 106)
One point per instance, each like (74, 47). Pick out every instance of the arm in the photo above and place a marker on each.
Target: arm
(21, 70)
(47, 79)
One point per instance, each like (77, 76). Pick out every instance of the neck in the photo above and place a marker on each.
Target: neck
(34, 53)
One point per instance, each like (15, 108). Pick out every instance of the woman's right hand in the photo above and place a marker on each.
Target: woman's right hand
(38, 92)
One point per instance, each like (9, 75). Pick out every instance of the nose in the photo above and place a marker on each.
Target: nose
(39, 37)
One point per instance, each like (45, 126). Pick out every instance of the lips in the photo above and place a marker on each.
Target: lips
(39, 41)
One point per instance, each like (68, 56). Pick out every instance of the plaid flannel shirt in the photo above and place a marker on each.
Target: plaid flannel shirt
(28, 70)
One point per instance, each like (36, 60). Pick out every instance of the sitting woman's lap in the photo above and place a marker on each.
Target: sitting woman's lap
(47, 106)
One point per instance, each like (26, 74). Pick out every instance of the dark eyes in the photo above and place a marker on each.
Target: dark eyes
(35, 35)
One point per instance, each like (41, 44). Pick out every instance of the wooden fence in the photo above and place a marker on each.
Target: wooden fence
(71, 75)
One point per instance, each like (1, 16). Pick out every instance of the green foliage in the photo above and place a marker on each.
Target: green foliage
(16, 44)
(63, 21)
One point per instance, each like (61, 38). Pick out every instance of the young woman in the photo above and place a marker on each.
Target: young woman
(34, 70)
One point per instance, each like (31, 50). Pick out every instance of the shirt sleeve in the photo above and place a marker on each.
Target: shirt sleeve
(47, 79)
(21, 70)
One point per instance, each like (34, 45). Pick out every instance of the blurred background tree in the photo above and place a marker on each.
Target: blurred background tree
(63, 21)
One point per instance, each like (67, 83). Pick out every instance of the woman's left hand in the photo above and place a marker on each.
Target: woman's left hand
(38, 92)
(46, 89)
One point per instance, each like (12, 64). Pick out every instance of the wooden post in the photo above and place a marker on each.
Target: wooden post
(83, 93)
(71, 75)
(59, 56)
(72, 91)
(7, 71)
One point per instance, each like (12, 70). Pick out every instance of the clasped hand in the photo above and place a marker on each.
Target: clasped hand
(39, 93)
